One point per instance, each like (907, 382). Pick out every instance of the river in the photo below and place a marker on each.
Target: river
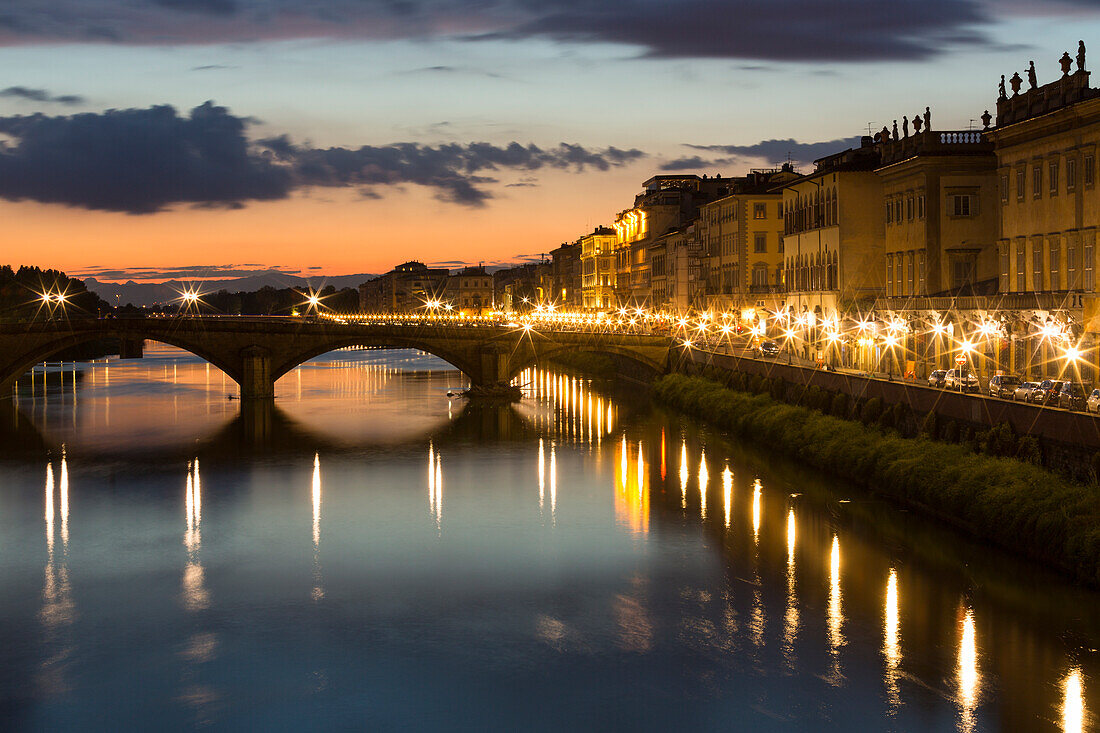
(374, 554)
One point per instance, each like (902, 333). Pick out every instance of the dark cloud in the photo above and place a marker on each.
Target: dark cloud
(693, 162)
(41, 95)
(212, 7)
(136, 160)
(776, 151)
(454, 170)
(188, 272)
(212, 67)
(783, 30)
(143, 160)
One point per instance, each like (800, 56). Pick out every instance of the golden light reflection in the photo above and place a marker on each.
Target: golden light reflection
(553, 481)
(683, 474)
(968, 676)
(791, 618)
(542, 476)
(704, 478)
(431, 476)
(1073, 703)
(623, 468)
(195, 597)
(891, 643)
(662, 455)
(756, 510)
(64, 499)
(315, 491)
(835, 613)
(727, 493)
(316, 496)
(49, 506)
(632, 492)
(438, 492)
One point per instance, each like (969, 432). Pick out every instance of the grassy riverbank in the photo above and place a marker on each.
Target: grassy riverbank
(1017, 505)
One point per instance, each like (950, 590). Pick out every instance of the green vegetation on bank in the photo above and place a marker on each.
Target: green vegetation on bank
(1018, 505)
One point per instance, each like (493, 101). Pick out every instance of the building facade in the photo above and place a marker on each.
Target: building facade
(470, 290)
(598, 268)
(404, 289)
(1046, 145)
(833, 242)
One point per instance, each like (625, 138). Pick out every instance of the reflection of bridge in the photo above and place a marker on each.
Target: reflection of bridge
(256, 351)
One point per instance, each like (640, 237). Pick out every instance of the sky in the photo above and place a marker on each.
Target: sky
(346, 136)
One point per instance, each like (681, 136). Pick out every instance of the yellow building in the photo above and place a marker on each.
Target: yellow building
(598, 268)
(667, 203)
(742, 236)
(833, 243)
(1046, 142)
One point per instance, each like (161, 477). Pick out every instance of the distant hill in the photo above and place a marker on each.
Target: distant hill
(151, 293)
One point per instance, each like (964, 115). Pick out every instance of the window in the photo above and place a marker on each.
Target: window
(1055, 264)
(1003, 261)
(1004, 189)
(909, 208)
(1037, 182)
(1072, 269)
(890, 275)
(1087, 267)
(920, 206)
(1021, 183)
(781, 245)
(1036, 265)
(1089, 175)
(960, 205)
(1021, 277)
(1071, 175)
(911, 279)
(760, 275)
(1053, 173)
(889, 212)
(920, 273)
(759, 211)
(897, 210)
(760, 242)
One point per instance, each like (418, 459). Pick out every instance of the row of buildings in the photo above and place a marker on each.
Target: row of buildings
(984, 238)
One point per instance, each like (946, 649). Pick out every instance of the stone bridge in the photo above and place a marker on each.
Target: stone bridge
(256, 351)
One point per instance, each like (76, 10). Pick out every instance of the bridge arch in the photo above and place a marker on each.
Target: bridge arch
(42, 351)
(629, 362)
(287, 364)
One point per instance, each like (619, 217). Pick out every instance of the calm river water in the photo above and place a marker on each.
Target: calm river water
(373, 555)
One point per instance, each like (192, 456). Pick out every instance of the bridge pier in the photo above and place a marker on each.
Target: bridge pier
(131, 348)
(256, 381)
(495, 368)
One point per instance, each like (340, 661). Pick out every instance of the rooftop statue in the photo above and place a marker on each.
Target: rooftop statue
(1032, 80)
(927, 119)
(1016, 83)
(1002, 94)
(986, 120)
(917, 122)
(1066, 62)
(895, 132)
(1080, 55)
(905, 126)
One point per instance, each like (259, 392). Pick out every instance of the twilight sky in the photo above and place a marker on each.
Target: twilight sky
(349, 135)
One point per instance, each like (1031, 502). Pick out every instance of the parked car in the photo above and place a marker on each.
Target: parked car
(1071, 396)
(768, 348)
(1092, 404)
(1023, 391)
(1046, 393)
(955, 381)
(1003, 385)
(935, 379)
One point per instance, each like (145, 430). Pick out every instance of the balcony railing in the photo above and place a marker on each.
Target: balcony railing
(1006, 301)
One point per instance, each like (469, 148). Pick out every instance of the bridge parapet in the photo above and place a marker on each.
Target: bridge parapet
(255, 352)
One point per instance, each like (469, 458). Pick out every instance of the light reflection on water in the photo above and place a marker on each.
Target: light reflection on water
(612, 582)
